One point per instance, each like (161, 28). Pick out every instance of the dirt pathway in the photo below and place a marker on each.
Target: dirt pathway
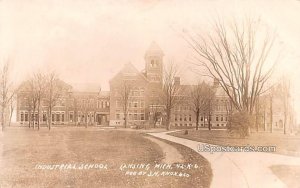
(171, 155)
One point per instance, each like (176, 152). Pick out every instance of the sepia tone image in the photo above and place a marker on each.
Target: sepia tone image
(150, 93)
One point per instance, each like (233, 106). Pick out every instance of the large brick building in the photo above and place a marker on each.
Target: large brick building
(142, 89)
(71, 108)
(138, 94)
(145, 89)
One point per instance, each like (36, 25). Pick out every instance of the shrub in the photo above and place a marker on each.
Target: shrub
(186, 132)
(239, 124)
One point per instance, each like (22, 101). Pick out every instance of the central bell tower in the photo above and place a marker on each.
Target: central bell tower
(154, 63)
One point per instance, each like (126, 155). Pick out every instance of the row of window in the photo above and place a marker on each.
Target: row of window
(183, 118)
(82, 103)
(190, 124)
(131, 104)
(57, 116)
(131, 116)
(202, 118)
(54, 117)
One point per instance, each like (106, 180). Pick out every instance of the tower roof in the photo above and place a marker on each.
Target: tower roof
(154, 49)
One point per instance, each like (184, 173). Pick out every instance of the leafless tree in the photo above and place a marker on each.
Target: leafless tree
(237, 55)
(285, 95)
(172, 93)
(156, 111)
(53, 92)
(40, 87)
(33, 100)
(7, 92)
(125, 95)
(12, 105)
(200, 100)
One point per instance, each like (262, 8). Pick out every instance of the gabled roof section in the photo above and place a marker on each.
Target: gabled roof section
(154, 49)
(129, 70)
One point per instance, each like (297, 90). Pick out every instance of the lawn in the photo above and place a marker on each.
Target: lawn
(285, 144)
(23, 149)
(290, 175)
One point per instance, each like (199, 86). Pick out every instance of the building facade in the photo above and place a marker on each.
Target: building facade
(132, 91)
(137, 95)
(71, 107)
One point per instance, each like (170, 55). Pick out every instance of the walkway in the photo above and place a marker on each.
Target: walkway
(242, 170)
(171, 155)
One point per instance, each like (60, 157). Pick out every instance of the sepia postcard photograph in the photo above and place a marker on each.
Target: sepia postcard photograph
(149, 93)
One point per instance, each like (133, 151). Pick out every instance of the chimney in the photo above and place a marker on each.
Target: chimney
(177, 81)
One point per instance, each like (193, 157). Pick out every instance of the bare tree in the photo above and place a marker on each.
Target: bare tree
(285, 95)
(237, 56)
(156, 111)
(11, 108)
(40, 86)
(200, 100)
(53, 92)
(125, 94)
(33, 97)
(7, 93)
(172, 92)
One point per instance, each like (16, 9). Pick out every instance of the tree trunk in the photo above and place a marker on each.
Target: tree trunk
(10, 116)
(284, 123)
(271, 114)
(125, 121)
(197, 119)
(29, 118)
(33, 118)
(39, 115)
(209, 124)
(2, 118)
(50, 119)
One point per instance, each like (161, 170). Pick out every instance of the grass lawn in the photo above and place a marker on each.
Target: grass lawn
(23, 149)
(290, 175)
(288, 145)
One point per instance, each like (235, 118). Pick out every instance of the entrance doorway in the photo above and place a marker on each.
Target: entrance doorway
(101, 119)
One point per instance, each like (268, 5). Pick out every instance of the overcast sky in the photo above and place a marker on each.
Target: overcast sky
(89, 40)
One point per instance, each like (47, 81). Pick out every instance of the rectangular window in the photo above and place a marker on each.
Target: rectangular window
(190, 118)
(142, 104)
(135, 117)
(44, 117)
(217, 118)
(142, 116)
(62, 117)
(201, 118)
(26, 117)
(221, 118)
(53, 117)
(175, 117)
(71, 117)
(22, 117)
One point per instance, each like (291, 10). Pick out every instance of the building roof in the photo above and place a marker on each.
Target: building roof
(154, 49)
(86, 87)
(129, 70)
